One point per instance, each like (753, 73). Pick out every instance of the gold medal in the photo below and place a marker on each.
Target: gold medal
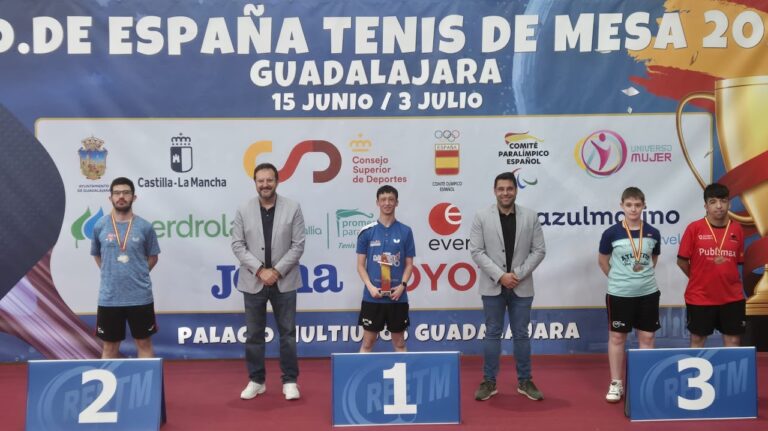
(636, 251)
(719, 258)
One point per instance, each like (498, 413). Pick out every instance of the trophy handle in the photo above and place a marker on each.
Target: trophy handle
(679, 123)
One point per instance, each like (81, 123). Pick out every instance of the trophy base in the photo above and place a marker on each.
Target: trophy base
(757, 304)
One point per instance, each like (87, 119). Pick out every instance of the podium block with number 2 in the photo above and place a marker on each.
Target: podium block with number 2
(675, 384)
(396, 388)
(120, 394)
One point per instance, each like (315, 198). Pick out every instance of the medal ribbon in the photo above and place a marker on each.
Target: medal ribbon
(635, 250)
(722, 241)
(124, 243)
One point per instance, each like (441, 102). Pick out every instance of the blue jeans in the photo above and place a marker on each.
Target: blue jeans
(519, 310)
(284, 308)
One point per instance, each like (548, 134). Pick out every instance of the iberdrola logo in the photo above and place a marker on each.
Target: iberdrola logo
(82, 228)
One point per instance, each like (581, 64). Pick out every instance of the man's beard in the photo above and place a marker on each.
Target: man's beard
(123, 210)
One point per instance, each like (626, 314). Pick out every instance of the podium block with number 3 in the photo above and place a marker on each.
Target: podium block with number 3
(675, 384)
(396, 388)
(119, 394)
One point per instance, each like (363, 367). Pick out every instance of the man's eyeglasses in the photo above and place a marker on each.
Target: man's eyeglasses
(122, 193)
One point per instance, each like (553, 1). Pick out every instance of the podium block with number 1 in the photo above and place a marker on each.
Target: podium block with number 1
(396, 388)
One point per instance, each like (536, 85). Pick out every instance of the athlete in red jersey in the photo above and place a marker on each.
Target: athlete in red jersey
(710, 252)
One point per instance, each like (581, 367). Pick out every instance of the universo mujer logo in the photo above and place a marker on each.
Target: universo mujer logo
(601, 154)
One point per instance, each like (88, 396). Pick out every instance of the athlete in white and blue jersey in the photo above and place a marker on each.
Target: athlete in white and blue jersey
(628, 254)
(623, 279)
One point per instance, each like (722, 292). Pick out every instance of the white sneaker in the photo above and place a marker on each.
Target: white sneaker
(252, 390)
(291, 391)
(615, 392)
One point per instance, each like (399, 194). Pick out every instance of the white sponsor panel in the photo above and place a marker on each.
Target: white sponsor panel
(191, 175)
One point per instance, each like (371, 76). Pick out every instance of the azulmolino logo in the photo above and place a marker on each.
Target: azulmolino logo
(82, 228)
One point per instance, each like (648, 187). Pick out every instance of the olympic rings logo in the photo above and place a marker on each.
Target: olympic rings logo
(447, 135)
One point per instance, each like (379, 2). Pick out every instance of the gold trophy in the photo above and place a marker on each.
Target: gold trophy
(741, 116)
(386, 274)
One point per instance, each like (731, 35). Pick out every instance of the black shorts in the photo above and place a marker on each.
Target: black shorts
(640, 312)
(375, 315)
(729, 319)
(110, 322)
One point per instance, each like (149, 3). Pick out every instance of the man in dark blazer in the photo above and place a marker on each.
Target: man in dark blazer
(268, 240)
(507, 244)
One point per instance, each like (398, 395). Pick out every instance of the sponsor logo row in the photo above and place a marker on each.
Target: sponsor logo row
(341, 227)
(600, 154)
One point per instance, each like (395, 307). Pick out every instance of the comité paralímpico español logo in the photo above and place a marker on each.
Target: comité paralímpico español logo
(93, 158)
(523, 149)
(601, 154)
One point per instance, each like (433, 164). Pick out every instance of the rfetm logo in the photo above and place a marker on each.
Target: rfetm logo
(302, 148)
(82, 228)
(601, 154)
(445, 218)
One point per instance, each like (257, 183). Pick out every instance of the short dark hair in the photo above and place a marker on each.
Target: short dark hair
(505, 176)
(122, 181)
(633, 192)
(262, 166)
(386, 189)
(716, 190)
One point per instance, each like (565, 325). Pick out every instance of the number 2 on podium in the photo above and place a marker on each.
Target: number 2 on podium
(91, 414)
(400, 406)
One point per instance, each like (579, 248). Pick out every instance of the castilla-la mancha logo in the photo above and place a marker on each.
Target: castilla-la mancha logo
(181, 153)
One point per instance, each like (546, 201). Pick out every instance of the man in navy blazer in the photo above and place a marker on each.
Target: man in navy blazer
(507, 244)
(268, 240)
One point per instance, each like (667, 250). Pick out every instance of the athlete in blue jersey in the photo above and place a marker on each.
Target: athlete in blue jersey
(628, 254)
(385, 252)
(125, 248)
